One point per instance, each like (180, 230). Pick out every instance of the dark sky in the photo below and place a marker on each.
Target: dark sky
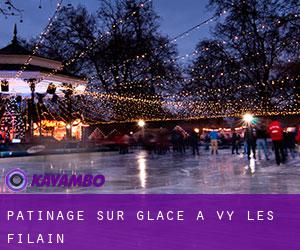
(176, 17)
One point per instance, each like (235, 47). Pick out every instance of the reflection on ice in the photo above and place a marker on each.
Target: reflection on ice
(141, 159)
(252, 165)
(171, 173)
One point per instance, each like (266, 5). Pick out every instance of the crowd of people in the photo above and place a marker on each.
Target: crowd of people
(284, 142)
(254, 140)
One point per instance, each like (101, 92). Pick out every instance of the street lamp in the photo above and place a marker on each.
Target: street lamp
(248, 118)
(141, 123)
(197, 130)
(68, 131)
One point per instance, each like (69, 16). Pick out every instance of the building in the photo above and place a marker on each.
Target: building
(27, 82)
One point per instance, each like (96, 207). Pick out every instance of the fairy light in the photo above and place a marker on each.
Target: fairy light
(186, 100)
(91, 46)
(151, 110)
(41, 38)
(174, 39)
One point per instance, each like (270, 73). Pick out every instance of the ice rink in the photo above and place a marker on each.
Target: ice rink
(141, 173)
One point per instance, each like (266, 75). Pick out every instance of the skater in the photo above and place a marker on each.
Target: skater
(124, 144)
(297, 139)
(250, 139)
(206, 141)
(261, 135)
(214, 141)
(235, 139)
(194, 140)
(289, 138)
(276, 134)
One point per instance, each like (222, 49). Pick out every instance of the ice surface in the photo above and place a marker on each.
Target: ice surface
(139, 172)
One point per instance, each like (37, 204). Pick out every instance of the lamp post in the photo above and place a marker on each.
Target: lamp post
(248, 118)
(32, 84)
(68, 91)
(141, 124)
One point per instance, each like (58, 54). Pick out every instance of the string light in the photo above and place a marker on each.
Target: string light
(91, 46)
(185, 105)
(41, 39)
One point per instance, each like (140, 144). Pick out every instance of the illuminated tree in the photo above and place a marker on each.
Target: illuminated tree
(12, 120)
(251, 43)
(120, 49)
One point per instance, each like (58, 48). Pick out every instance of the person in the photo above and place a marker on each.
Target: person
(194, 140)
(174, 140)
(151, 143)
(261, 136)
(250, 139)
(182, 141)
(162, 142)
(245, 143)
(297, 139)
(124, 144)
(289, 137)
(1, 141)
(214, 141)
(2, 137)
(178, 139)
(206, 141)
(221, 139)
(285, 142)
(276, 134)
(235, 139)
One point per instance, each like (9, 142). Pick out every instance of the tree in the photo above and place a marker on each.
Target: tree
(70, 35)
(136, 56)
(12, 121)
(213, 77)
(121, 48)
(250, 44)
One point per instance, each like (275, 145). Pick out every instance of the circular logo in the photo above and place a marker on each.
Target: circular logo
(16, 180)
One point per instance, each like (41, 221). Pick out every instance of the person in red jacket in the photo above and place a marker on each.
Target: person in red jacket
(276, 134)
(3, 137)
(297, 139)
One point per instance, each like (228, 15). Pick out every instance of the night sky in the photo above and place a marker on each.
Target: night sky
(176, 17)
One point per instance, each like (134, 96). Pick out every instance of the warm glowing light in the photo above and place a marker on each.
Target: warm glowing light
(141, 123)
(80, 88)
(197, 130)
(248, 118)
(252, 165)
(142, 168)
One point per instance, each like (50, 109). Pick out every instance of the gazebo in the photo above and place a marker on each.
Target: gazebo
(29, 77)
